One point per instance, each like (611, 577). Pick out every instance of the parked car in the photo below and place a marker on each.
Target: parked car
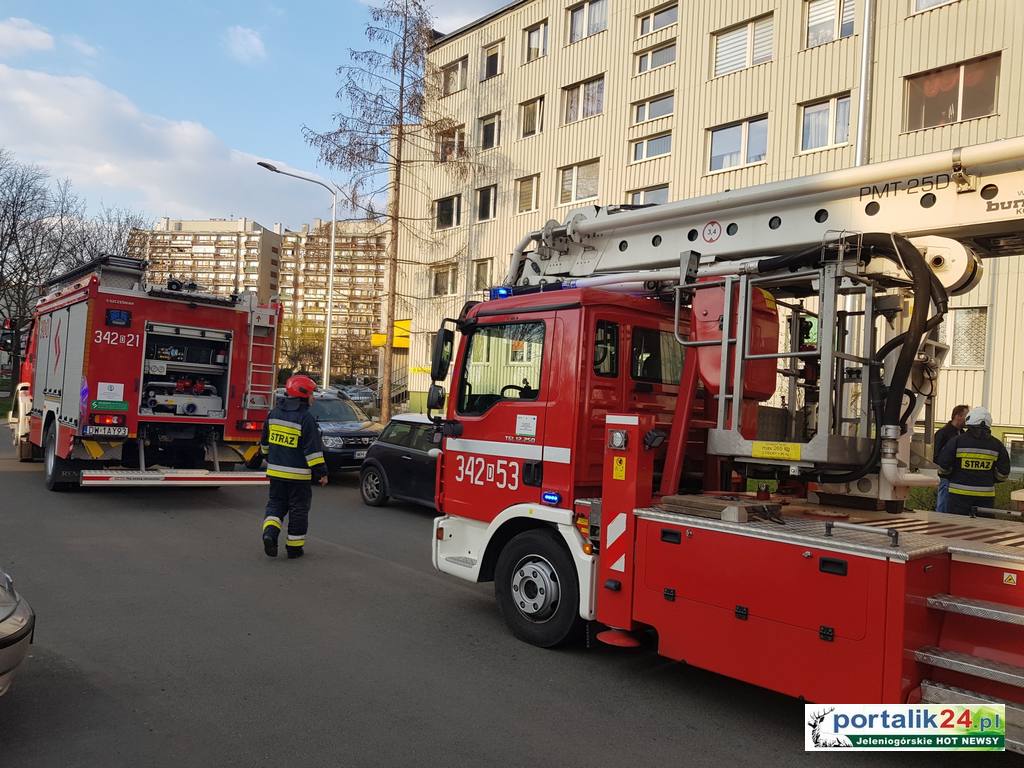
(17, 624)
(345, 430)
(363, 396)
(401, 464)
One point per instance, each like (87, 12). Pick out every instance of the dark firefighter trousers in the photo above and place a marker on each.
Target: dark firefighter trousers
(291, 499)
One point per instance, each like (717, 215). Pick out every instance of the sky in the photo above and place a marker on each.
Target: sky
(165, 108)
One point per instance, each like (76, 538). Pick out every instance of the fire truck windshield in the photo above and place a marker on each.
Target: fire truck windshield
(502, 363)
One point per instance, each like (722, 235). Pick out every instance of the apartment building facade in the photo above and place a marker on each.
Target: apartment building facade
(563, 104)
(230, 256)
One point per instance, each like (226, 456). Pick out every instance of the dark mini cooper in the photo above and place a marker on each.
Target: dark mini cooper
(401, 465)
(346, 431)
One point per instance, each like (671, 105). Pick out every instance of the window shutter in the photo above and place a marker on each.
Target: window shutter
(762, 41)
(565, 185)
(586, 180)
(525, 202)
(821, 16)
(731, 51)
(846, 19)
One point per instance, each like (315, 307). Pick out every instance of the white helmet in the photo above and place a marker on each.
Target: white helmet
(979, 416)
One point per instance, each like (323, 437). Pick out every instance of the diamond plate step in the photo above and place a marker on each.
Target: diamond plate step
(940, 693)
(971, 665)
(981, 609)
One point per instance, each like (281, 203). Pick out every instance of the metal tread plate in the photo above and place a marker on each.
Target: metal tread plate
(975, 666)
(981, 609)
(940, 693)
(808, 532)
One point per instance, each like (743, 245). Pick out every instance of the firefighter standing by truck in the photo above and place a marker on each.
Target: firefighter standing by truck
(295, 459)
(973, 462)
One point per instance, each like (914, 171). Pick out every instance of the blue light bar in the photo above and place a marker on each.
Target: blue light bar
(551, 497)
(501, 292)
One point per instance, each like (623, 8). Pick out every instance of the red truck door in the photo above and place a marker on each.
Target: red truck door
(501, 393)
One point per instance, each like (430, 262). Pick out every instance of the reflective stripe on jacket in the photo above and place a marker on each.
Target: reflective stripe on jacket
(973, 462)
(291, 443)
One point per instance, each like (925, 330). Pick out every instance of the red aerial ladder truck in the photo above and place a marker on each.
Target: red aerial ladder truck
(124, 383)
(622, 405)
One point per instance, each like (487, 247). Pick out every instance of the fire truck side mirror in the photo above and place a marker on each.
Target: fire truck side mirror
(441, 355)
(435, 397)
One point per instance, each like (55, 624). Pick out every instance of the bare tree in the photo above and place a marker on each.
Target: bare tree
(384, 90)
(301, 346)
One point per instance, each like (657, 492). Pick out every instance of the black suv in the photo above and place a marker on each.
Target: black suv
(346, 431)
(402, 463)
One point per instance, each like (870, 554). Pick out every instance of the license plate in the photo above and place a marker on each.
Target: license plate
(106, 431)
(360, 454)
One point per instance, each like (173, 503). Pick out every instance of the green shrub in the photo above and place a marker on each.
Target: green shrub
(924, 498)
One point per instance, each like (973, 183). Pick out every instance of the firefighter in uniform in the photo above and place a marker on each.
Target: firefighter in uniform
(973, 462)
(295, 459)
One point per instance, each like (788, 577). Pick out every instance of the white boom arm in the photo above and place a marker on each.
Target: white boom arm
(974, 195)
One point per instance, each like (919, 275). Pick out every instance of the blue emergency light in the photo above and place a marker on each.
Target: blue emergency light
(551, 497)
(501, 292)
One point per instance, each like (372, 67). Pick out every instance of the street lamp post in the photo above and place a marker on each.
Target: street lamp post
(325, 374)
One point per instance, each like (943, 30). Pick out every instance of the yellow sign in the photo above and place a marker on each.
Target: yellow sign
(402, 332)
(1010, 578)
(776, 451)
(618, 468)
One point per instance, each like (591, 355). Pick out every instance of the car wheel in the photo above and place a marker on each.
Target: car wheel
(54, 466)
(537, 589)
(372, 487)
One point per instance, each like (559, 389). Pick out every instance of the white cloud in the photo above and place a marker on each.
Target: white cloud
(80, 45)
(19, 36)
(245, 45)
(116, 154)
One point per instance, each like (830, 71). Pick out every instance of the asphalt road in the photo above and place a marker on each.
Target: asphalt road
(166, 638)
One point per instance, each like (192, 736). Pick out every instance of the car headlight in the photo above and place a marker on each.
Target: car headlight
(333, 442)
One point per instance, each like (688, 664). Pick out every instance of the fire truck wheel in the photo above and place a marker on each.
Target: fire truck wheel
(53, 464)
(373, 487)
(537, 589)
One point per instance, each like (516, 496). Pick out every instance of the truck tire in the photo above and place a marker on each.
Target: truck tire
(373, 487)
(54, 466)
(537, 589)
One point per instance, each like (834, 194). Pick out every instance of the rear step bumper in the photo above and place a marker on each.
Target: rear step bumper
(939, 693)
(168, 477)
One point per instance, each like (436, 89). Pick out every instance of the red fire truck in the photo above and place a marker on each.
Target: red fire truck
(701, 420)
(129, 384)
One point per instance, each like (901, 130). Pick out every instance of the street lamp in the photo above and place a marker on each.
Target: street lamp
(326, 372)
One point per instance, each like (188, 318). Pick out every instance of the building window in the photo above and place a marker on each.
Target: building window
(486, 203)
(526, 193)
(659, 19)
(1014, 443)
(444, 280)
(968, 329)
(481, 275)
(739, 144)
(828, 20)
(587, 19)
(652, 146)
(948, 95)
(826, 123)
(924, 5)
(531, 117)
(453, 76)
(490, 131)
(743, 46)
(491, 66)
(451, 144)
(584, 99)
(650, 196)
(448, 212)
(536, 41)
(651, 109)
(654, 58)
(578, 182)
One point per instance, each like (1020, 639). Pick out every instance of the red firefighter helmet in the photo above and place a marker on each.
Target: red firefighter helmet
(300, 386)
